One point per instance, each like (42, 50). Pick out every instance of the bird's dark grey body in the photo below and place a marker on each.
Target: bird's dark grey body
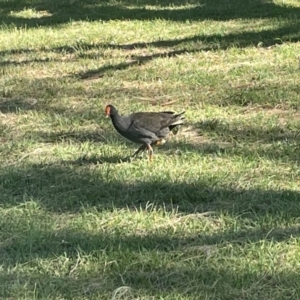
(146, 128)
(140, 128)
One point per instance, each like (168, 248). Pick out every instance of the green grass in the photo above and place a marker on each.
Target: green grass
(216, 215)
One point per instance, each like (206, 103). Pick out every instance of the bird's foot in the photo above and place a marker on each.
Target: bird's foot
(160, 142)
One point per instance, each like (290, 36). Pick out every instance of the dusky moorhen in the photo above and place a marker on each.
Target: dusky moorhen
(146, 128)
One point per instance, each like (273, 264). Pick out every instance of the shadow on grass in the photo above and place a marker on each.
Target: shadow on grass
(62, 12)
(153, 264)
(190, 44)
(288, 32)
(148, 273)
(69, 190)
(27, 62)
(176, 282)
(67, 136)
(266, 38)
(136, 60)
(39, 94)
(42, 244)
(98, 160)
(217, 10)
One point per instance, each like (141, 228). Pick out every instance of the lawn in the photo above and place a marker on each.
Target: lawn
(216, 215)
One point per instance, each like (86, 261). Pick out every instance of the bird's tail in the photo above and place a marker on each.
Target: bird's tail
(178, 119)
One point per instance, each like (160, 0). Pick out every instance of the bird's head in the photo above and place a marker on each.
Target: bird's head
(108, 110)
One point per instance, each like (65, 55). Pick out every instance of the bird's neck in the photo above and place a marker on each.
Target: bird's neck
(118, 121)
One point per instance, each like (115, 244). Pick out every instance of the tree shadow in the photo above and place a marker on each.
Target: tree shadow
(288, 32)
(45, 244)
(141, 262)
(98, 159)
(44, 95)
(62, 12)
(69, 189)
(20, 63)
(196, 281)
(197, 43)
(265, 38)
(136, 60)
(38, 94)
(75, 136)
(106, 70)
(8, 105)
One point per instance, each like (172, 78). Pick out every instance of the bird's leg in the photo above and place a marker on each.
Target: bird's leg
(150, 151)
(142, 148)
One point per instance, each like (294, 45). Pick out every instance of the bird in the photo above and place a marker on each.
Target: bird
(145, 128)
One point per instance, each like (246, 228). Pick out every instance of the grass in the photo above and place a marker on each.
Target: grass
(215, 216)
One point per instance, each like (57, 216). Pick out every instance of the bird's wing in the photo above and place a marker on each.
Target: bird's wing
(139, 129)
(153, 122)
